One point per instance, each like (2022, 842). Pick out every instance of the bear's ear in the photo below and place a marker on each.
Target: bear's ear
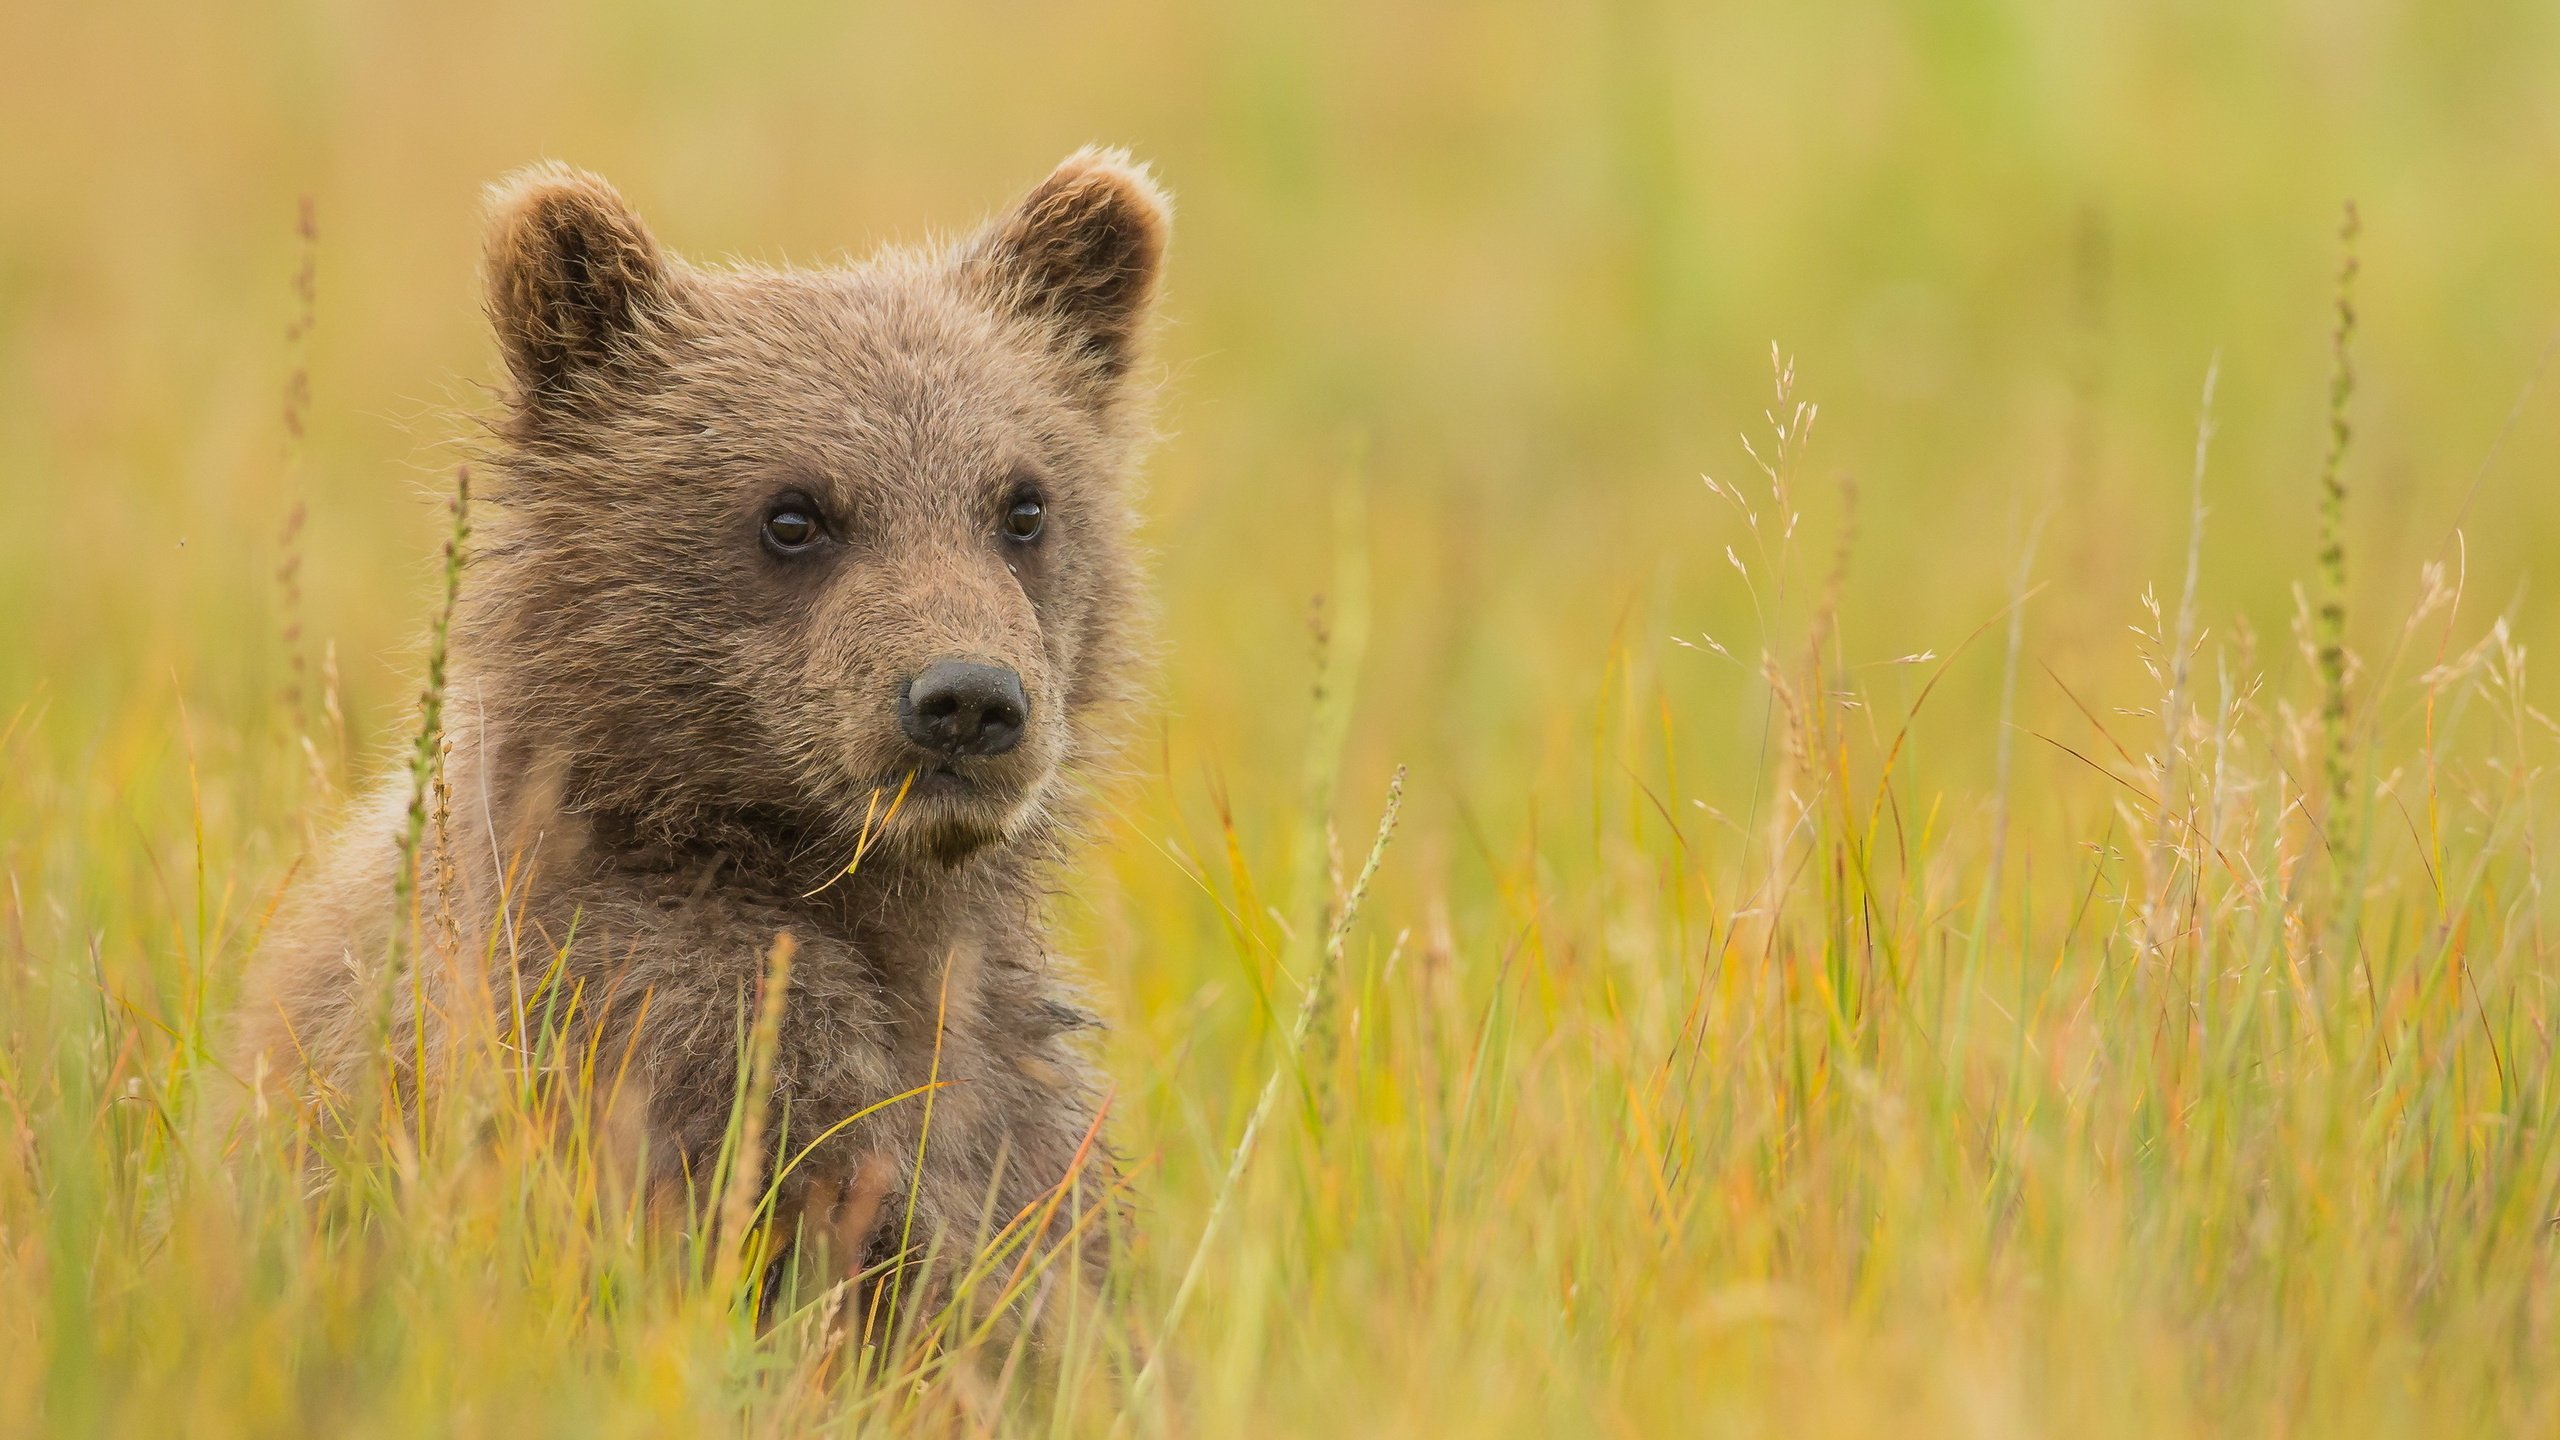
(1080, 253)
(572, 276)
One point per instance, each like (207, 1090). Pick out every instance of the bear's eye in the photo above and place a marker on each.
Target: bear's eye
(790, 527)
(1024, 520)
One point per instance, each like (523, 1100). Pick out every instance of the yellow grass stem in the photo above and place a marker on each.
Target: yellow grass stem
(736, 1232)
(1284, 1065)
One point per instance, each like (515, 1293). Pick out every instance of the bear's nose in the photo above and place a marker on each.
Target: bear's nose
(960, 708)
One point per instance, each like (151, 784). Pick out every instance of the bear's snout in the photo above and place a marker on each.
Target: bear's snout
(960, 707)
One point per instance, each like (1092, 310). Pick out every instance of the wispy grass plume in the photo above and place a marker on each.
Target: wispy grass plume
(2333, 524)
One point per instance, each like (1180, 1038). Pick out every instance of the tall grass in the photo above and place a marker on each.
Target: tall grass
(2333, 525)
(2232, 1113)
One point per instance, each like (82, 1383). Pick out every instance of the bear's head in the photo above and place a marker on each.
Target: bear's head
(818, 553)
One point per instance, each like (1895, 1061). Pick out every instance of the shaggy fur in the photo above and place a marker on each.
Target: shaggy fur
(673, 736)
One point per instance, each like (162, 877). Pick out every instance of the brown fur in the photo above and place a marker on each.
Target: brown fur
(675, 737)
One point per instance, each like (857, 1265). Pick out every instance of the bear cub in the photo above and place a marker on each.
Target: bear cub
(775, 567)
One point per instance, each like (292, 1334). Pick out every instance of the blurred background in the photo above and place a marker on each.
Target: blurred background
(1465, 297)
(1520, 267)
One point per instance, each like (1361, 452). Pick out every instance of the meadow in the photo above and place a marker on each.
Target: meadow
(1843, 739)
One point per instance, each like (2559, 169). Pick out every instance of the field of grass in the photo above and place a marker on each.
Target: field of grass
(2014, 906)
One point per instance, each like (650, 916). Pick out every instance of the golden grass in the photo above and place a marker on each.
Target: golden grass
(1904, 1003)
